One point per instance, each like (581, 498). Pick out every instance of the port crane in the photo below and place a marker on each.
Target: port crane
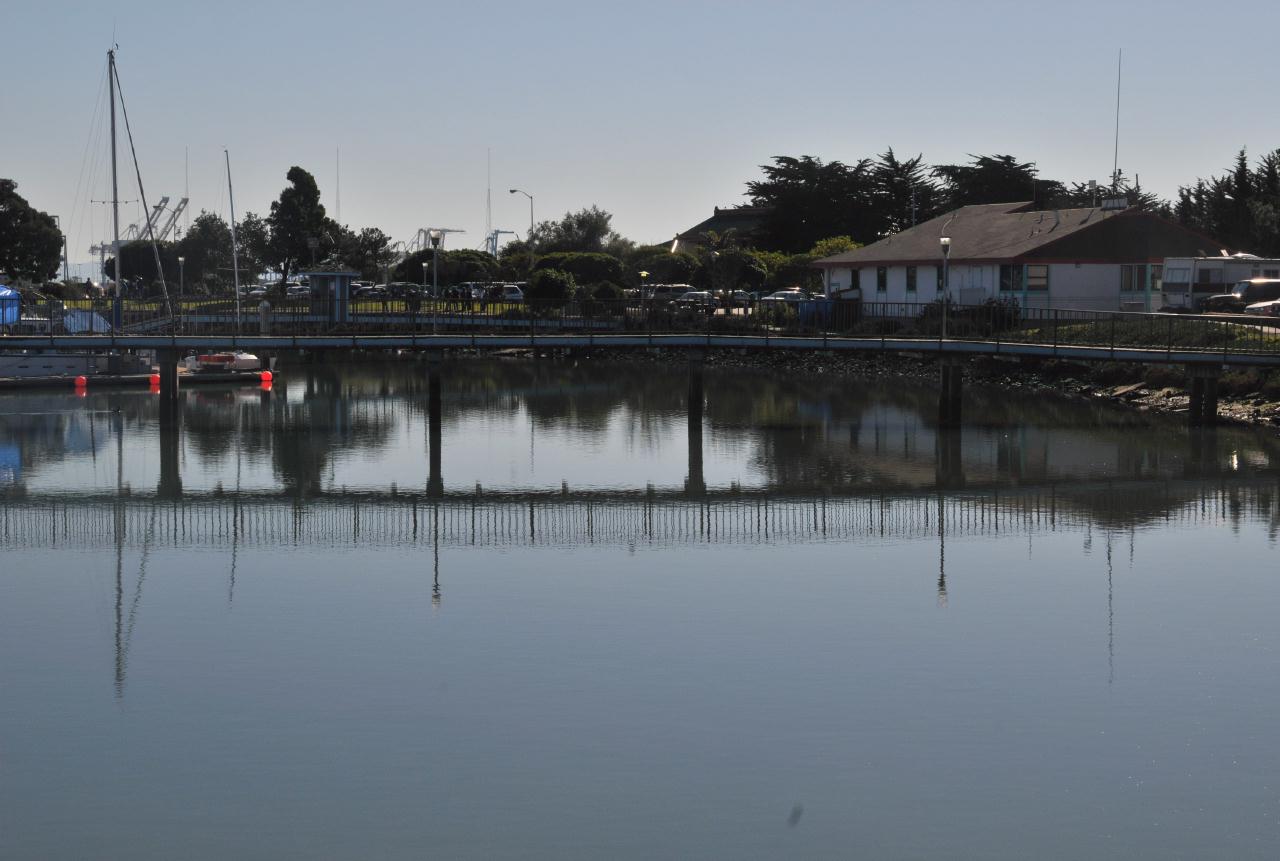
(491, 241)
(139, 231)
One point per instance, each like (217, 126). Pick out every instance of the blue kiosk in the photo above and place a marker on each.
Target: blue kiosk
(331, 294)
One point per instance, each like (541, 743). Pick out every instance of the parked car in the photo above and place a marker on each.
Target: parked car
(510, 293)
(665, 294)
(404, 289)
(739, 299)
(1270, 308)
(377, 291)
(1243, 294)
(297, 290)
(698, 300)
(790, 297)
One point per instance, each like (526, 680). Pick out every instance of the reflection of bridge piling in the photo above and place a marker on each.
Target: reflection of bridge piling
(170, 422)
(951, 377)
(949, 465)
(695, 482)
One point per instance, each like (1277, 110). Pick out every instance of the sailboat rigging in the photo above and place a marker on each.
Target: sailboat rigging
(113, 80)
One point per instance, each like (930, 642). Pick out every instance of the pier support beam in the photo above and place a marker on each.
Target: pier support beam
(951, 378)
(695, 483)
(1202, 411)
(435, 481)
(168, 361)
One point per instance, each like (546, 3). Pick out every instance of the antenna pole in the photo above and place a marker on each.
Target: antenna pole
(115, 190)
(1115, 162)
(235, 254)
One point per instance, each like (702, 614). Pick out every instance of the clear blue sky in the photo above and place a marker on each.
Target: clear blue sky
(653, 111)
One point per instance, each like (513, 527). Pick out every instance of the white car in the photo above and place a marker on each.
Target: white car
(1265, 309)
(787, 296)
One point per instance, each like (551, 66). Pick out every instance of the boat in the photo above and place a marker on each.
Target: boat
(230, 360)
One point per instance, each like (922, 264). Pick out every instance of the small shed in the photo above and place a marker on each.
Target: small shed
(331, 294)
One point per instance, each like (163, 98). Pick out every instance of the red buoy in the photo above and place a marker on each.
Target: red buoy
(265, 376)
(81, 381)
(155, 379)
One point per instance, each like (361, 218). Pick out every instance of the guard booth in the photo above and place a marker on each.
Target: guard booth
(331, 295)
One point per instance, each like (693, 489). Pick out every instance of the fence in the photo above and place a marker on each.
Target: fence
(1003, 322)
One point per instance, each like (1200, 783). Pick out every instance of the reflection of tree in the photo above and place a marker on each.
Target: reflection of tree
(49, 428)
(331, 417)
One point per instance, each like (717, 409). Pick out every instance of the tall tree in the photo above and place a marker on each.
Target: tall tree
(587, 230)
(30, 242)
(297, 221)
(367, 252)
(995, 179)
(905, 194)
(207, 249)
(1241, 208)
(253, 233)
(809, 199)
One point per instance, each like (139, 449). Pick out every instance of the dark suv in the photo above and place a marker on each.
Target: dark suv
(1243, 294)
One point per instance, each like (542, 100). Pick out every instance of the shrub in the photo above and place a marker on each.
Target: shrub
(550, 288)
(585, 267)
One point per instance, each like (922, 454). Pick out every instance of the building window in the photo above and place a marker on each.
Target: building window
(1037, 277)
(1209, 276)
(1157, 278)
(911, 279)
(941, 286)
(1179, 276)
(1271, 273)
(1133, 277)
(1010, 277)
(882, 279)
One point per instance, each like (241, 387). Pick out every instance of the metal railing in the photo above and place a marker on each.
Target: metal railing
(1000, 322)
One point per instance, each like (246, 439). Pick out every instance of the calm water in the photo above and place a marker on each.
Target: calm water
(285, 624)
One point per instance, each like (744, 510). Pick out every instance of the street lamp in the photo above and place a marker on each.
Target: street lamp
(946, 281)
(435, 236)
(424, 276)
(182, 280)
(528, 240)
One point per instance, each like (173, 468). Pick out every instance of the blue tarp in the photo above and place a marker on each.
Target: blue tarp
(79, 322)
(10, 305)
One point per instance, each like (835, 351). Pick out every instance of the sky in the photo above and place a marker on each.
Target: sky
(655, 111)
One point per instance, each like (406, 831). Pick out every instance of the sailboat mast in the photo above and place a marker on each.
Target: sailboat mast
(115, 190)
(235, 254)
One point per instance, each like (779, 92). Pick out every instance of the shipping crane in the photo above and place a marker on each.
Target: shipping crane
(491, 241)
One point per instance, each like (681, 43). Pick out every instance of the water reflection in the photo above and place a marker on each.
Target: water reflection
(606, 430)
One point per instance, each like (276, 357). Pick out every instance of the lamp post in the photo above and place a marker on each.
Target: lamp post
(182, 280)
(435, 236)
(946, 281)
(528, 240)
